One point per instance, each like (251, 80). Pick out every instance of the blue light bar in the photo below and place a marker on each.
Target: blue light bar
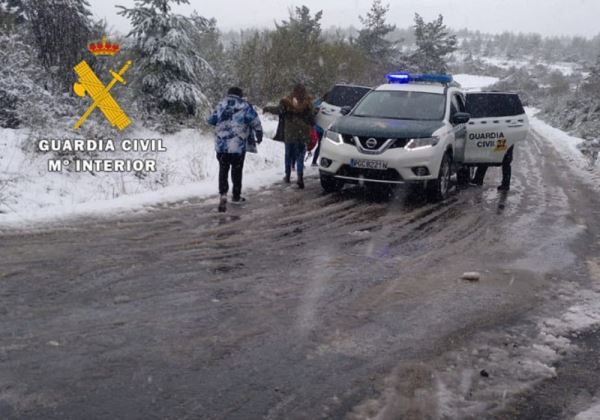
(434, 78)
(398, 77)
(404, 77)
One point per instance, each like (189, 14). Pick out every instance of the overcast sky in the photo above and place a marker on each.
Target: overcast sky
(547, 17)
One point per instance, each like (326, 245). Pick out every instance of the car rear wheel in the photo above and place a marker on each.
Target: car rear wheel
(330, 184)
(439, 188)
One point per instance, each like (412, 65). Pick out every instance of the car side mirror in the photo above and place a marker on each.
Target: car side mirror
(345, 110)
(460, 118)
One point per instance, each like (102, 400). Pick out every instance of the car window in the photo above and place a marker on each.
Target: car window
(482, 105)
(402, 105)
(456, 105)
(345, 95)
(461, 103)
(453, 105)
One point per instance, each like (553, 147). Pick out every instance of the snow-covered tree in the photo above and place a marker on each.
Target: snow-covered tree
(372, 38)
(218, 81)
(60, 30)
(294, 51)
(46, 39)
(25, 99)
(172, 67)
(434, 43)
(306, 26)
(267, 63)
(591, 85)
(11, 14)
(248, 63)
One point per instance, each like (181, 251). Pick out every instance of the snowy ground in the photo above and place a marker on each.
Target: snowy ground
(593, 413)
(567, 146)
(566, 68)
(29, 193)
(471, 82)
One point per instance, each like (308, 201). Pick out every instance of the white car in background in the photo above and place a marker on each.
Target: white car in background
(340, 96)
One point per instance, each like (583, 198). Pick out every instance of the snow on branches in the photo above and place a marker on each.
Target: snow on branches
(173, 70)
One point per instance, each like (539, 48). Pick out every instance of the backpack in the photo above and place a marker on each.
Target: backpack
(314, 138)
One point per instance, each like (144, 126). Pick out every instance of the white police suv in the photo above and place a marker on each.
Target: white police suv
(416, 129)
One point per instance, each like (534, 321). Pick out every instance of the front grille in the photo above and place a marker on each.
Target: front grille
(398, 143)
(380, 141)
(348, 139)
(375, 174)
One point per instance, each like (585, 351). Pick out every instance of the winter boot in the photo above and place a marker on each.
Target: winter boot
(504, 188)
(300, 182)
(223, 203)
(286, 179)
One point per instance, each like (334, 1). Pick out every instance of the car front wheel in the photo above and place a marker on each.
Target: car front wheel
(439, 188)
(330, 184)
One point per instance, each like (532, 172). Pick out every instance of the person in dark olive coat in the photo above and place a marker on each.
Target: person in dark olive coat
(297, 116)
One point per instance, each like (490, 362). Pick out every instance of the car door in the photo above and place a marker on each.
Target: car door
(498, 121)
(457, 104)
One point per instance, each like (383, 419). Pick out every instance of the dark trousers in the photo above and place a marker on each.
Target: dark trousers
(318, 148)
(506, 170)
(317, 151)
(294, 153)
(236, 163)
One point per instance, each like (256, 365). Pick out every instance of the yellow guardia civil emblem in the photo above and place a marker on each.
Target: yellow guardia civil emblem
(500, 143)
(91, 85)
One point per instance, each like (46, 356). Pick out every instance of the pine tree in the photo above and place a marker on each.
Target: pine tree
(434, 43)
(372, 37)
(172, 67)
(25, 100)
(60, 30)
(294, 53)
(250, 65)
(11, 14)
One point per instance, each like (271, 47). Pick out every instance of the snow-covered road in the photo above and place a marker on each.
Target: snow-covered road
(304, 305)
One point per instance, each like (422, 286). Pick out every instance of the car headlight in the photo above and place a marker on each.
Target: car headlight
(335, 138)
(422, 142)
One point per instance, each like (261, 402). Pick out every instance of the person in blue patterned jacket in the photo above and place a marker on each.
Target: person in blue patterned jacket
(235, 120)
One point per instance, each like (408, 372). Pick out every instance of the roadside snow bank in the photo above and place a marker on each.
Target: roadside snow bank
(569, 147)
(472, 82)
(29, 194)
(565, 67)
(592, 413)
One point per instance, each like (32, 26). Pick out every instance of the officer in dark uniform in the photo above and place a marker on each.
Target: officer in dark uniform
(506, 171)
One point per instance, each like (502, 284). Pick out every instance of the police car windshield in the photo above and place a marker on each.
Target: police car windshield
(402, 105)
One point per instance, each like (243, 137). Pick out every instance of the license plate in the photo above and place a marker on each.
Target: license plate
(368, 164)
